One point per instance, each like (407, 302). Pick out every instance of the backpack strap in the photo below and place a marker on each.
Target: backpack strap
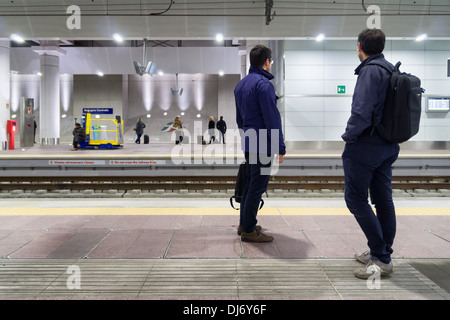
(232, 205)
(231, 202)
(387, 68)
(384, 65)
(261, 205)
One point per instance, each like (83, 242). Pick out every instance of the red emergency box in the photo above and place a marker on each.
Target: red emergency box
(11, 129)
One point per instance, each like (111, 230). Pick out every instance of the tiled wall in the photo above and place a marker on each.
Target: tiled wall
(313, 70)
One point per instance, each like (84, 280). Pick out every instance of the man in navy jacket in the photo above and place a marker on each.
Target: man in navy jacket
(368, 159)
(259, 120)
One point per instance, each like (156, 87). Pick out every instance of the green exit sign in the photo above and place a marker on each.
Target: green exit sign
(340, 89)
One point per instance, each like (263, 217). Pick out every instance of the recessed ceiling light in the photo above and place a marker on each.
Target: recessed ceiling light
(422, 37)
(320, 37)
(219, 37)
(17, 38)
(161, 73)
(100, 74)
(199, 115)
(221, 73)
(118, 38)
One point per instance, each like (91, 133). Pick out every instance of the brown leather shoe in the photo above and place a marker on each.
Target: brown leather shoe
(255, 236)
(239, 230)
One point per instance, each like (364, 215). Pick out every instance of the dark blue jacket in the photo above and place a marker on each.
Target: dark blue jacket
(368, 100)
(256, 108)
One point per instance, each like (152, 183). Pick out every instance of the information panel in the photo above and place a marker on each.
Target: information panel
(438, 104)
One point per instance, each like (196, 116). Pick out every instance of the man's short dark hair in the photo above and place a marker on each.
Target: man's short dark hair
(77, 125)
(372, 41)
(259, 54)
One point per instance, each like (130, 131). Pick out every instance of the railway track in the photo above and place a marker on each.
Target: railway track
(213, 183)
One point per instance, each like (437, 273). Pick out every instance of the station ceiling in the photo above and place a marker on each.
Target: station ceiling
(181, 20)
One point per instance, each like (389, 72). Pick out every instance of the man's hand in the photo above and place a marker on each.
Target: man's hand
(280, 158)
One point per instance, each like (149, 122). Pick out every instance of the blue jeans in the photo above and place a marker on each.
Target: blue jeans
(138, 139)
(254, 188)
(369, 167)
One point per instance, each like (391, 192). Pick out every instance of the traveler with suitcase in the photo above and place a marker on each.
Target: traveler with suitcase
(139, 130)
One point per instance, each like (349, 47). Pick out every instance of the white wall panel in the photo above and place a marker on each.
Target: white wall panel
(304, 119)
(408, 57)
(304, 58)
(339, 72)
(441, 87)
(436, 72)
(304, 104)
(333, 133)
(304, 134)
(426, 60)
(339, 103)
(294, 87)
(296, 72)
(436, 57)
(336, 119)
(335, 58)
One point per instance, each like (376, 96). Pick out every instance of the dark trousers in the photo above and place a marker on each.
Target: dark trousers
(368, 167)
(75, 142)
(138, 139)
(254, 188)
(222, 136)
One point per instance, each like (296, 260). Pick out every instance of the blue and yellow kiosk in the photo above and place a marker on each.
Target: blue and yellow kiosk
(100, 131)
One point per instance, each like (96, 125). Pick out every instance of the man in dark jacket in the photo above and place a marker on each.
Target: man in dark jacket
(79, 135)
(259, 122)
(222, 127)
(139, 130)
(368, 159)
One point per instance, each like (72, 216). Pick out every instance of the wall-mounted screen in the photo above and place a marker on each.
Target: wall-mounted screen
(448, 67)
(438, 104)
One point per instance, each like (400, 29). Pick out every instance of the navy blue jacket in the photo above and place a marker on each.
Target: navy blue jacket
(368, 100)
(256, 108)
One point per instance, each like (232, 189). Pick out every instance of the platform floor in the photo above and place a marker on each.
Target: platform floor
(189, 249)
(165, 150)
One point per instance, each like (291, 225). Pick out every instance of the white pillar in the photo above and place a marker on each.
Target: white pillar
(5, 87)
(49, 110)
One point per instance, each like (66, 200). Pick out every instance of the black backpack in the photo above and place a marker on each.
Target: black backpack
(240, 185)
(402, 107)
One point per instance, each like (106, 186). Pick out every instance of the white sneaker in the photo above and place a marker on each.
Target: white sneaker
(363, 257)
(373, 267)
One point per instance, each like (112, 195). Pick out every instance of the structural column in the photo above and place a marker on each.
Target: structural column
(5, 88)
(49, 110)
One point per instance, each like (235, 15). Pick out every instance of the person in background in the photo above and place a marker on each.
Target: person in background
(222, 127)
(139, 130)
(211, 130)
(34, 136)
(79, 135)
(178, 129)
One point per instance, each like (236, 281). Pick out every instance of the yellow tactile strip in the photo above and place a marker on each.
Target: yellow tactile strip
(298, 211)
